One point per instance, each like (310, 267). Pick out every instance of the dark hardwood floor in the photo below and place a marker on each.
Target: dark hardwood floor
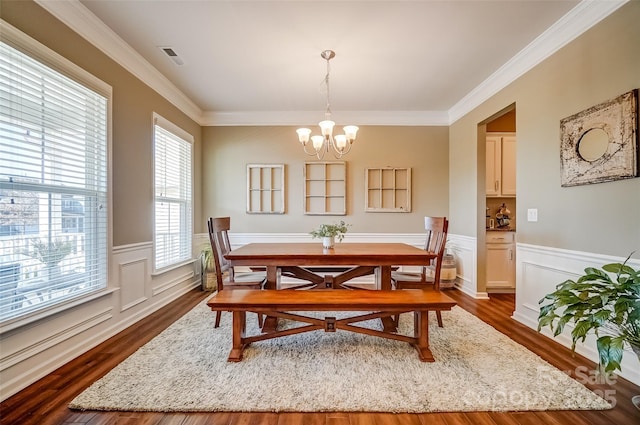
(45, 402)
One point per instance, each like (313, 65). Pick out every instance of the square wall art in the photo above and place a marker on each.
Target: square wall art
(600, 144)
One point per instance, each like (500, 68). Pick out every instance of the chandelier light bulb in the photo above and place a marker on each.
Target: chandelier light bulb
(350, 131)
(326, 127)
(303, 135)
(317, 142)
(341, 142)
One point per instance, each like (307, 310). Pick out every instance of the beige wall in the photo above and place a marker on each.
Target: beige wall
(227, 150)
(601, 218)
(133, 106)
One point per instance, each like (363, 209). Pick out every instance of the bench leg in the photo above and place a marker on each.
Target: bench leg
(239, 326)
(421, 333)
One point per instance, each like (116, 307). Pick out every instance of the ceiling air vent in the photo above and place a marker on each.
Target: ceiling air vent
(172, 55)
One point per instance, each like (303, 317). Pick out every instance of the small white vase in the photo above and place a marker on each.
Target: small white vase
(328, 241)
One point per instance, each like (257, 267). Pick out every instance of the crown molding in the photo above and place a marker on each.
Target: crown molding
(578, 20)
(80, 19)
(298, 118)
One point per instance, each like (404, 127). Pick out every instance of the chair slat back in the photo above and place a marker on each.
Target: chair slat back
(220, 245)
(437, 228)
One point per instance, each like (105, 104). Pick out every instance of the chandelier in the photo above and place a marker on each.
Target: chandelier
(339, 144)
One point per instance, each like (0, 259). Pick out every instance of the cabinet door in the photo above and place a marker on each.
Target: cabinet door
(493, 166)
(500, 266)
(508, 166)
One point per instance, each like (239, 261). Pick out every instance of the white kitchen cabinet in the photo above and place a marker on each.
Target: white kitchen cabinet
(501, 260)
(500, 164)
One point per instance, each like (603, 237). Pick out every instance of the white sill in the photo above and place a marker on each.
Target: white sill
(37, 315)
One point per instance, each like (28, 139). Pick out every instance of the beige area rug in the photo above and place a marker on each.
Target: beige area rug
(477, 368)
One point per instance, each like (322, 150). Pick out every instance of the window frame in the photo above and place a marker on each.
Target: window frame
(160, 121)
(30, 47)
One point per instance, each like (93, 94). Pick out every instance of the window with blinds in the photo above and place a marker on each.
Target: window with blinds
(53, 185)
(173, 207)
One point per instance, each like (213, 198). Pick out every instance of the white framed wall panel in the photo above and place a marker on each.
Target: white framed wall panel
(42, 346)
(539, 270)
(174, 281)
(464, 248)
(131, 275)
(16, 353)
(30, 360)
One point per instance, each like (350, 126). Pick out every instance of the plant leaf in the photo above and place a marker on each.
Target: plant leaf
(610, 350)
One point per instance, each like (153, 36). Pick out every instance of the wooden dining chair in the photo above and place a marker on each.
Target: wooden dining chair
(227, 278)
(437, 228)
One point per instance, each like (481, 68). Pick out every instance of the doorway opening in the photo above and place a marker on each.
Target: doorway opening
(499, 199)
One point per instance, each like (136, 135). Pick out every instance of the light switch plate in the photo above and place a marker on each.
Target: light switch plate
(532, 214)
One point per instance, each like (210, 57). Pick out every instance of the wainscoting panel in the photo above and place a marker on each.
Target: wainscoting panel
(175, 280)
(465, 251)
(35, 349)
(14, 354)
(132, 277)
(538, 270)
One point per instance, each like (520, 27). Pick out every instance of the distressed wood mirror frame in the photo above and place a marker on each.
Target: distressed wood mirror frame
(618, 120)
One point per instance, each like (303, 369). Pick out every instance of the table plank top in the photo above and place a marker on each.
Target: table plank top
(362, 254)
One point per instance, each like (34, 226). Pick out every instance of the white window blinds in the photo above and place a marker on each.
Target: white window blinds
(53, 186)
(173, 207)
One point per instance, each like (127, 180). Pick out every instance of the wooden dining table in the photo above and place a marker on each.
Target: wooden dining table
(299, 260)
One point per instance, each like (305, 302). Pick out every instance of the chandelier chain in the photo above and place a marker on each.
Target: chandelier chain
(326, 81)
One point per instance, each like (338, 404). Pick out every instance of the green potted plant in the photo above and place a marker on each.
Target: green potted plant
(603, 301)
(329, 233)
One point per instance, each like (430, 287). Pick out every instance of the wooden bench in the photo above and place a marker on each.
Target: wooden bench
(279, 303)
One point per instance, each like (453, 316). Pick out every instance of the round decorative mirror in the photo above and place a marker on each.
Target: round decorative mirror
(593, 144)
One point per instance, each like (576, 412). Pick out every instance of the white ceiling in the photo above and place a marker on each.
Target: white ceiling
(258, 62)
